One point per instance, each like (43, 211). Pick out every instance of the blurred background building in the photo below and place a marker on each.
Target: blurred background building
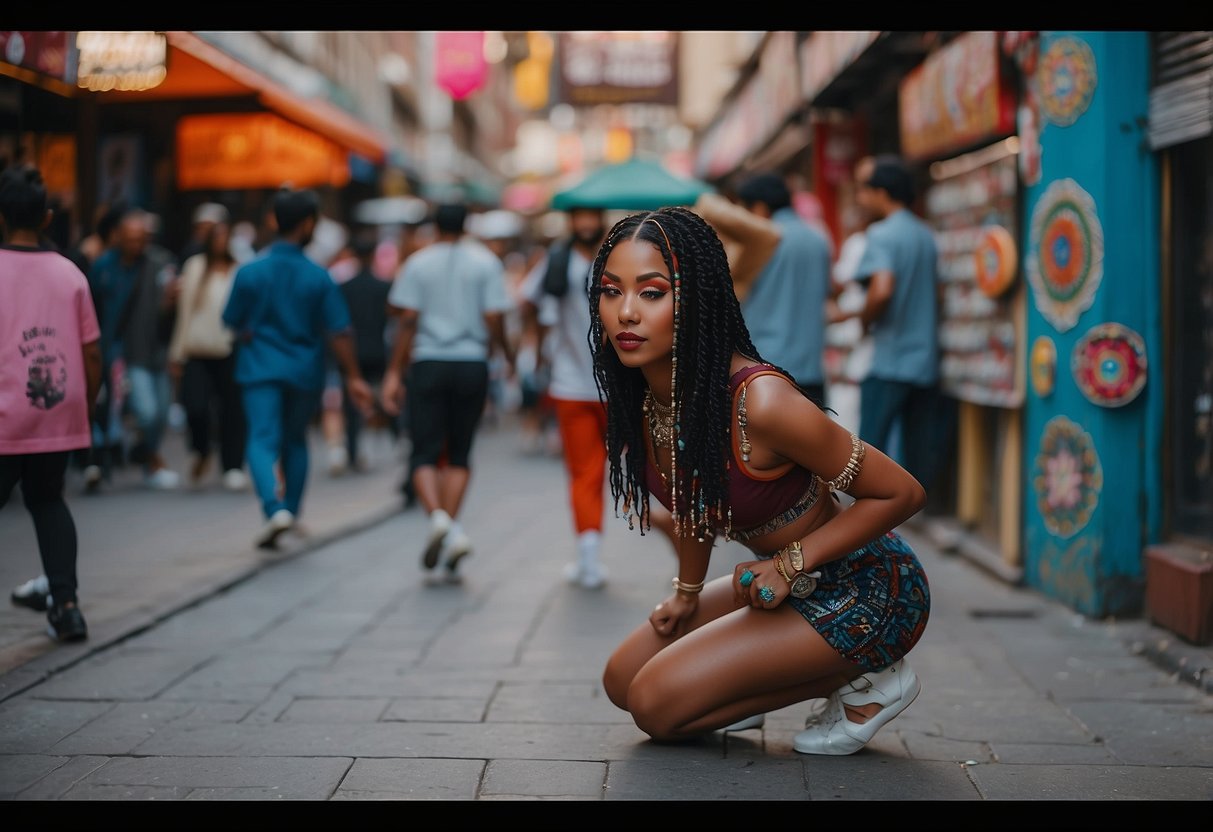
(1068, 175)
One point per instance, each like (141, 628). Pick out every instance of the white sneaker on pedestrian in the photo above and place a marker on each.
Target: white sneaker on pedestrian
(440, 524)
(34, 594)
(92, 478)
(456, 547)
(755, 721)
(587, 570)
(162, 479)
(280, 521)
(339, 460)
(235, 479)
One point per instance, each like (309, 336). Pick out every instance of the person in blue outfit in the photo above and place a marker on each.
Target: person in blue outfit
(282, 308)
(899, 269)
(784, 300)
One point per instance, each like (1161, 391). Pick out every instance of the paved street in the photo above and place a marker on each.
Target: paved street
(335, 671)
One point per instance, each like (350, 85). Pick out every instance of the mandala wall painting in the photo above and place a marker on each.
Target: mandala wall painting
(1068, 477)
(1066, 78)
(997, 260)
(1109, 364)
(1065, 260)
(1044, 365)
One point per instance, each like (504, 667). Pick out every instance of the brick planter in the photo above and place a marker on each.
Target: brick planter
(1179, 590)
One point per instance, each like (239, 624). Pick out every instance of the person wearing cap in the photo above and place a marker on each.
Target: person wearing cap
(450, 300)
(204, 219)
(900, 267)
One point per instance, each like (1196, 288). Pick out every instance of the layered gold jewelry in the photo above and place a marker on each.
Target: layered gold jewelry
(780, 568)
(843, 481)
(660, 419)
(795, 555)
(683, 586)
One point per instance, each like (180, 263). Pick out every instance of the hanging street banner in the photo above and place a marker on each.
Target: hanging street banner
(459, 65)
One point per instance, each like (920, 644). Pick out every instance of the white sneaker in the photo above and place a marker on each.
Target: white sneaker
(440, 524)
(587, 570)
(893, 688)
(235, 479)
(162, 479)
(457, 547)
(279, 522)
(339, 460)
(92, 477)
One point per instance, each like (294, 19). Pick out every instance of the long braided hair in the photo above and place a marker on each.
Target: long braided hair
(708, 329)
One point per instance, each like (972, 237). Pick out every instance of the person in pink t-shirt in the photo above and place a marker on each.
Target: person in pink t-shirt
(50, 371)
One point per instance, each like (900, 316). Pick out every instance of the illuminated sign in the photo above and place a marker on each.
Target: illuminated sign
(121, 60)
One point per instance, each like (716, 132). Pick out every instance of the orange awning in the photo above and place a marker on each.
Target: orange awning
(196, 69)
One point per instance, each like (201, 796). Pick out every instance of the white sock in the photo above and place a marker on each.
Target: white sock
(588, 545)
(456, 530)
(439, 519)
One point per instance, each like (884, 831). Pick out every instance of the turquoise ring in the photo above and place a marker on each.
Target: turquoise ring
(747, 578)
(766, 594)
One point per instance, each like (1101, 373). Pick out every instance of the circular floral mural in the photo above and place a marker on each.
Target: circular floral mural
(1068, 477)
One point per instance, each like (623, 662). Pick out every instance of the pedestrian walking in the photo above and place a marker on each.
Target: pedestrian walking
(366, 294)
(556, 295)
(135, 282)
(203, 362)
(50, 371)
(451, 302)
(282, 307)
(900, 267)
(734, 448)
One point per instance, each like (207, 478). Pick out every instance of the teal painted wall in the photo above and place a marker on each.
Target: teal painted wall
(1097, 566)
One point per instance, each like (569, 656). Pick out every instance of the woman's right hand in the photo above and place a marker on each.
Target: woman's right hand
(670, 616)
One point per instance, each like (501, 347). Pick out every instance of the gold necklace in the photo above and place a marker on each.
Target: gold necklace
(661, 421)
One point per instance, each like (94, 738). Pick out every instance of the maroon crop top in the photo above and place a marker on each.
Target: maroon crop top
(760, 504)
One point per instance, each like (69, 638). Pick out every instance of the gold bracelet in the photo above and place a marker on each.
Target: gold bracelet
(683, 586)
(843, 481)
(779, 567)
(795, 555)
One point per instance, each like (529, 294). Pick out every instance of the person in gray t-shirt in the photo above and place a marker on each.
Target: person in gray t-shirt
(901, 313)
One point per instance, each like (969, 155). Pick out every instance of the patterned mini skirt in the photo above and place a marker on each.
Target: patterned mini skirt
(871, 605)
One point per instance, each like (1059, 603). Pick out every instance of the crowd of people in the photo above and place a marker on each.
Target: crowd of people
(677, 354)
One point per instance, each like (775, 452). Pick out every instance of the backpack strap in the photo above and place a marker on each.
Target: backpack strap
(556, 278)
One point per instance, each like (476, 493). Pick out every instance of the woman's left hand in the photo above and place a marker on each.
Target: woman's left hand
(763, 576)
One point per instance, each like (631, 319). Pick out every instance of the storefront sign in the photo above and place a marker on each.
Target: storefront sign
(121, 60)
(618, 68)
(44, 52)
(955, 98)
(975, 217)
(233, 151)
(459, 65)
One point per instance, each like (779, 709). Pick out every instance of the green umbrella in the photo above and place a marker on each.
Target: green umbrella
(634, 185)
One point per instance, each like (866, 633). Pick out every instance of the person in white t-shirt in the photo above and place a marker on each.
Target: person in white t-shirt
(559, 299)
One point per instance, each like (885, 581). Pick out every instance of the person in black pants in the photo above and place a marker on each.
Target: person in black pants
(366, 296)
(50, 343)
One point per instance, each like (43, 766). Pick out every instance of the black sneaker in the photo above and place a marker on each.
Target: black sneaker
(33, 594)
(66, 623)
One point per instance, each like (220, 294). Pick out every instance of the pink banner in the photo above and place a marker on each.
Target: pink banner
(459, 65)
